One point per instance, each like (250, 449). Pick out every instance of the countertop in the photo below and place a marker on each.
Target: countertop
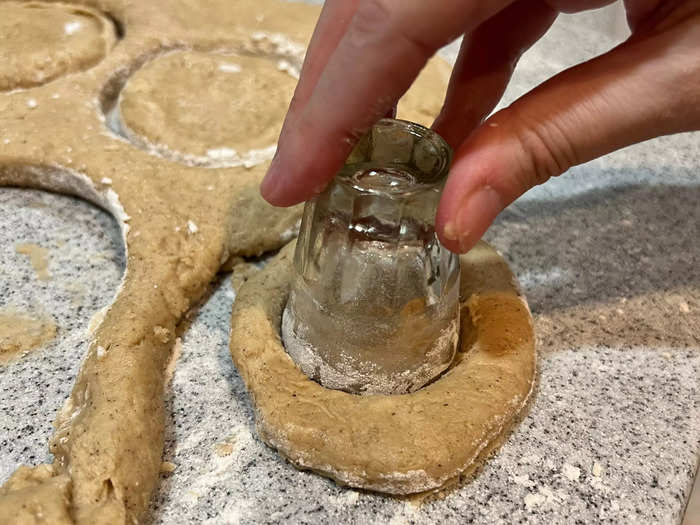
(609, 258)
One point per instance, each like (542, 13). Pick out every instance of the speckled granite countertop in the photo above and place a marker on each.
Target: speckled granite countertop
(609, 258)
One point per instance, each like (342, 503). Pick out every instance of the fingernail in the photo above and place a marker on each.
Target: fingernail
(475, 215)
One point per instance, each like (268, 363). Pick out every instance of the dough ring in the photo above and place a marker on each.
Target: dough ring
(40, 41)
(399, 444)
(180, 225)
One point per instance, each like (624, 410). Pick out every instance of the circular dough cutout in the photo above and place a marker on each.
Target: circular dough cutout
(399, 444)
(40, 41)
(207, 109)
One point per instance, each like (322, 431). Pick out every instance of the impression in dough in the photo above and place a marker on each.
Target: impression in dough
(399, 444)
(180, 225)
(207, 108)
(40, 41)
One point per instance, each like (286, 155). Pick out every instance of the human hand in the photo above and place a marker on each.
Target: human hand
(366, 53)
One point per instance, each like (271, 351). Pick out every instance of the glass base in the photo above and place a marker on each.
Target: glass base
(350, 374)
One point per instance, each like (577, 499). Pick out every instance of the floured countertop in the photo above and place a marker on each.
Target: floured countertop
(609, 259)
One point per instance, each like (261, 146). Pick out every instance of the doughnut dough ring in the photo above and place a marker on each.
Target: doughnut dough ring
(398, 444)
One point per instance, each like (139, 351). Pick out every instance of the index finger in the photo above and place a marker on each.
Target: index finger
(330, 28)
(385, 46)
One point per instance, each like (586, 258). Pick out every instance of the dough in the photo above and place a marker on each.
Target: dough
(180, 224)
(20, 332)
(400, 444)
(38, 258)
(211, 112)
(38, 495)
(40, 41)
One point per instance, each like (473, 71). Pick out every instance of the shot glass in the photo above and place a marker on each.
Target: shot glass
(373, 306)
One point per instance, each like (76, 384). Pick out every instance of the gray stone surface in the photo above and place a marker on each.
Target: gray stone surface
(86, 261)
(608, 256)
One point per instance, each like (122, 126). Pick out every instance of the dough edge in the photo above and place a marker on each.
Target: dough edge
(401, 444)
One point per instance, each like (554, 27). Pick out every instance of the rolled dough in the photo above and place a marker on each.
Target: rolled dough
(40, 41)
(180, 223)
(400, 444)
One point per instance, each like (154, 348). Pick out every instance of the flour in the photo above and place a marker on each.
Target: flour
(570, 472)
(230, 68)
(72, 27)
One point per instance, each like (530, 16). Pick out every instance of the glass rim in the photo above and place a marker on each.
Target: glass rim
(424, 181)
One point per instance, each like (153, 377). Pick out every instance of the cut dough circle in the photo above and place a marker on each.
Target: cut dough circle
(40, 41)
(400, 444)
(206, 109)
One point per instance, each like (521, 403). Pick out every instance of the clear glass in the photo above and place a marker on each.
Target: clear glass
(373, 306)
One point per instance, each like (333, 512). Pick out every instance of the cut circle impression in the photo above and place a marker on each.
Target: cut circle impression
(41, 41)
(206, 109)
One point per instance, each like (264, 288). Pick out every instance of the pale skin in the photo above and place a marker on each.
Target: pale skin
(364, 55)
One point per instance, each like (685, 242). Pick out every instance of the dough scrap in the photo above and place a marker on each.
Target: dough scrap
(40, 41)
(108, 441)
(38, 258)
(400, 444)
(20, 332)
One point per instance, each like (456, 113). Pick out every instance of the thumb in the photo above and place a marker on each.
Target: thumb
(646, 87)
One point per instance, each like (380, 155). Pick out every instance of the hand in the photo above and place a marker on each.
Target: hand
(366, 53)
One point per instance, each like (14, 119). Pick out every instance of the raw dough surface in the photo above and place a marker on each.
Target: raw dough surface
(180, 225)
(40, 41)
(401, 444)
(206, 107)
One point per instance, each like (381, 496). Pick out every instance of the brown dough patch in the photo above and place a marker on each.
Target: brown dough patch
(223, 449)
(40, 41)
(21, 332)
(37, 495)
(242, 272)
(38, 258)
(167, 467)
(207, 105)
(398, 444)
(108, 441)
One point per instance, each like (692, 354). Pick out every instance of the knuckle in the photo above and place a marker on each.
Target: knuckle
(380, 20)
(543, 148)
(370, 22)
